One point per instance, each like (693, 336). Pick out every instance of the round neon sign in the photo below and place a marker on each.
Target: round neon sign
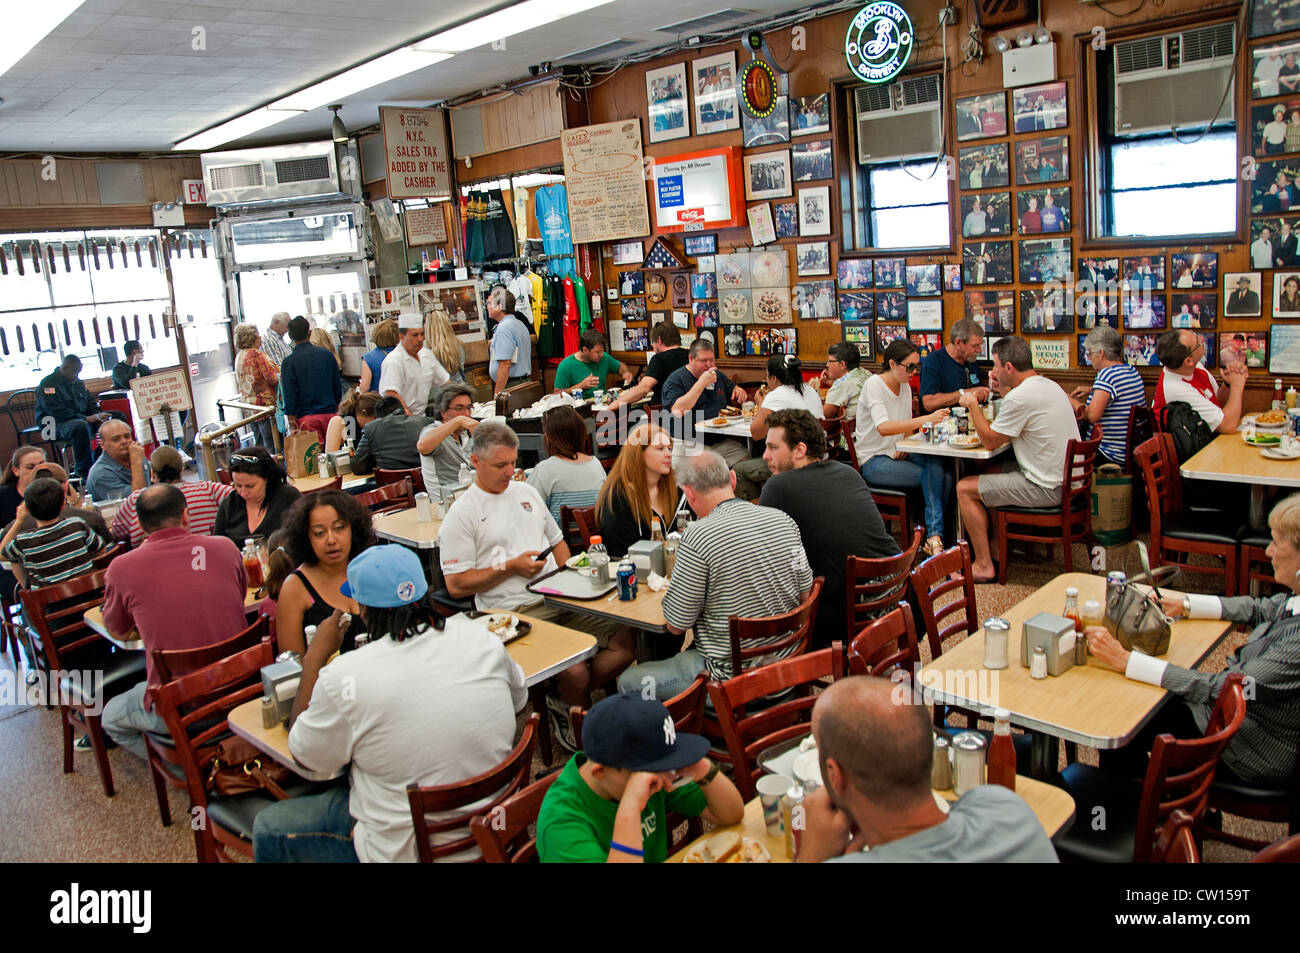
(879, 42)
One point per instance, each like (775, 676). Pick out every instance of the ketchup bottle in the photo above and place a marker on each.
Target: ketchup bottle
(1002, 753)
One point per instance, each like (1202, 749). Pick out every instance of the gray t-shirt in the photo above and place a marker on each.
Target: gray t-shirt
(567, 482)
(442, 467)
(989, 825)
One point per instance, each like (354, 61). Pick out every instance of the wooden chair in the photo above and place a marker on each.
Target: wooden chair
(518, 397)
(389, 498)
(895, 510)
(1267, 803)
(1071, 519)
(1178, 776)
(931, 582)
(687, 711)
(170, 664)
(1253, 564)
(414, 474)
(833, 427)
(755, 637)
(195, 707)
(224, 477)
(499, 783)
(1142, 426)
(55, 612)
(1176, 843)
(1284, 851)
(503, 836)
(578, 524)
(886, 643)
(748, 736)
(873, 587)
(20, 407)
(106, 555)
(1177, 535)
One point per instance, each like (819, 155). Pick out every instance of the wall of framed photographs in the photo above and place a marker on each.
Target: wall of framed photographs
(1015, 205)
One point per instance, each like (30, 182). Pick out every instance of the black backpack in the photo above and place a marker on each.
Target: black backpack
(1188, 428)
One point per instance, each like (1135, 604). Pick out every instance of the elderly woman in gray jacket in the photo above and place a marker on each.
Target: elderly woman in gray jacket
(1263, 751)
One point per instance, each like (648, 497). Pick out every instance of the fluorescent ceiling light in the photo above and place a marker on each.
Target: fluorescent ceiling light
(497, 26)
(26, 24)
(232, 129)
(371, 73)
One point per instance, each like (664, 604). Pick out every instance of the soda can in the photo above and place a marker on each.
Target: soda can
(576, 394)
(626, 581)
(927, 433)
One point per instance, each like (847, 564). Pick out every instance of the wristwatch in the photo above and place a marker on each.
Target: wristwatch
(708, 778)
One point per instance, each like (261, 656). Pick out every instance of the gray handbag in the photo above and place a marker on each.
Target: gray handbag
(1135, 617)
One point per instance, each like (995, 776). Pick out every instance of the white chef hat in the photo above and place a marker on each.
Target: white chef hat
(409, 321)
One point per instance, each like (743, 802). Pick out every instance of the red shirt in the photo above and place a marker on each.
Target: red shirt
(179, 591)
(1200, 381)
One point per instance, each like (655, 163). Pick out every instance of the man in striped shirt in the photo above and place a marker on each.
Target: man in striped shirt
(738, 559)
(202, 497)
(59, 548)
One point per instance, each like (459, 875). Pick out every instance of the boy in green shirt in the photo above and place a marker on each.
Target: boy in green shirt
(590, 366)
(610, 804)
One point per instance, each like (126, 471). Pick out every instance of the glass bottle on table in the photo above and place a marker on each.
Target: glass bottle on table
(253, 565)
(1002, 752)
(1071, 610)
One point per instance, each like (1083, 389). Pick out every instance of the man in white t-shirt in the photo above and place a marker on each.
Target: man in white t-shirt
(1037, 418)
(412, 705)
(1266, 73)
(411, 371)
(1184, 378)
(489, 544)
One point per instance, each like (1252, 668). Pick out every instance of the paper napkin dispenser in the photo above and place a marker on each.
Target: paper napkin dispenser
(647, 556)
(340, 463)
(280, 684)
(1055, 634)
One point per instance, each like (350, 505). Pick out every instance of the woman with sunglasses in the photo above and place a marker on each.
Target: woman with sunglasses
(884, 418)
(260, 499)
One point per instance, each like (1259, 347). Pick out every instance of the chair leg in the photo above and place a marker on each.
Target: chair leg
(1067, 543)
(160, 790)
(66, 715)
(1002, 548)
(96, 732)
(1231, 573)
(537, 695)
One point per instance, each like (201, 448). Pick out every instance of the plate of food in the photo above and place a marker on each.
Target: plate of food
(964, 441)
(506, 626)
(728, 847)
(719, 422)
(1277, 453)
(1268, 420)
(1262, 439)
(579, 561)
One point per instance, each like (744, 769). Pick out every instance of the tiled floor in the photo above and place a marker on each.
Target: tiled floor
(50, 816)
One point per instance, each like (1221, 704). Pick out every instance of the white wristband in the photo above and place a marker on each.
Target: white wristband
(1145, 668)
(1204, 607)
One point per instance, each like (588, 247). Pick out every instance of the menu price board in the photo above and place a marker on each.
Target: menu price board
(605, 178)
(425, 226)
(698, 190)
(416, 159)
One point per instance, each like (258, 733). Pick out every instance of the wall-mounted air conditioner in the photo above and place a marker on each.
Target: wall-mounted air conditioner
(1175, 81)
(903, 120)
(296, 171)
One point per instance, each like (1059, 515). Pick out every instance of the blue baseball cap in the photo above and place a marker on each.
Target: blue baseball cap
(638, 734)
(385, 577)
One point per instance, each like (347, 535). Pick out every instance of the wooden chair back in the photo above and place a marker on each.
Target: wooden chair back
(1177, 841)
(1181, 771)
(507, 835)
(748, 735)
(1158, 462)
(755, 637)
(578, 524)
(56, 612)
(686, 709)
(886, 643)
(499, 783)
(171, 664)
(1284, 851)
(518, 397)
(223, 476)
(872, 587)
(832, 427)
(389, 498)
(930, 582)
(1076, 483)
(1141, 428)
(106, 555)
(414, 474)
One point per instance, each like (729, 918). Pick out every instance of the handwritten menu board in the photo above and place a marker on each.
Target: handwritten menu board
(604, 174)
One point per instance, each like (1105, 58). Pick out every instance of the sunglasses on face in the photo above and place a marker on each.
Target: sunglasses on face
(911, 365)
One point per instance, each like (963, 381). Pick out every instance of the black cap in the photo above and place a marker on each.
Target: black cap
(637, 734)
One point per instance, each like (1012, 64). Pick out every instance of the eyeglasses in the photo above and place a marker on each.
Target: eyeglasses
(911, 365)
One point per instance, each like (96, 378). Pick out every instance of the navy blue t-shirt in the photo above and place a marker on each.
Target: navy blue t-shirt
(709, 405)
(940, 374)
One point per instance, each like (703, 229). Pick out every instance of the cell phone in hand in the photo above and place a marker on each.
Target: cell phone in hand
(541, 557)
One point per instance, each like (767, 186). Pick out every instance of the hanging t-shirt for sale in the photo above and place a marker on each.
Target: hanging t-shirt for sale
(551, 204)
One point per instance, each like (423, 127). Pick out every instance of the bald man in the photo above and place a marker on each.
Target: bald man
(121, 468)
(876, 750)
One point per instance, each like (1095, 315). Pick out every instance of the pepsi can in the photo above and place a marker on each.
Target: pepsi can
(926, 433)
(626, 581)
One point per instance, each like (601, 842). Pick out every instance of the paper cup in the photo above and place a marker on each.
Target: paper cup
(771, 788)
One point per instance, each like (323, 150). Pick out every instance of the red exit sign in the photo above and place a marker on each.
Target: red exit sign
(194, 192)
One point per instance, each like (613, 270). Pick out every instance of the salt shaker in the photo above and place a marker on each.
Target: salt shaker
(1038, 664)
(941, 772)
(423, 508)
(968, 749)
(996, 635)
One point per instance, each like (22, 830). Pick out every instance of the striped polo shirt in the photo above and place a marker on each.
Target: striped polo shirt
(202, 498)
(1123, 384)
(740, 560)
(50, 554)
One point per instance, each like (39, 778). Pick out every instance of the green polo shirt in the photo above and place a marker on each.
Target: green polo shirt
(571, 371)
(575, 824)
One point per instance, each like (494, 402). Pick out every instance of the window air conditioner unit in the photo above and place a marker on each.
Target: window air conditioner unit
(306, 170)
(1174, 81)
(903, 120)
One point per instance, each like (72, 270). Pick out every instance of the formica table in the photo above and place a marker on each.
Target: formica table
(1090, 705)
(959, 454)
(314, 481)
(405, 527)
(131, 641)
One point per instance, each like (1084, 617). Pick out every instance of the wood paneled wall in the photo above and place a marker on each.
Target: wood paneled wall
(71, 199)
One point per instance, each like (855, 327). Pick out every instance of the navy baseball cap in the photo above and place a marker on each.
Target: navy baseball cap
(385, 577)
(637, 734)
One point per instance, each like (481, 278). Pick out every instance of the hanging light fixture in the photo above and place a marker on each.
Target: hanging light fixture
(339, 132)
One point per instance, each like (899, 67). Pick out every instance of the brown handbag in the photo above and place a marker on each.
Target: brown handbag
(240, 767)
(1136, 618)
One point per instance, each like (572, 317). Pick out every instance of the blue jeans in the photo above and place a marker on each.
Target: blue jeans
(670, 677)
(313, 829)
(76, 432)
(935, 478)
(125, 721)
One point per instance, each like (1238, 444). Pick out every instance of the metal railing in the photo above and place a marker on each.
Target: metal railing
(255, 413)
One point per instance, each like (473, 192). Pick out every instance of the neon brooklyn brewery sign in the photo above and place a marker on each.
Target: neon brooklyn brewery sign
(879, 42)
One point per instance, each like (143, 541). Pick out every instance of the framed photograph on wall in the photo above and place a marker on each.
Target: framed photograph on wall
(1197, 310)
(768, 131)
(1036, 108)
(856, 306)
(812, 258)
(925, 315)
(1043, 210)
(922, 280)
(1286, 294)
(1274, 16)
(627, 253)
(810, 114)
(1267, 65)
(1273, 242)
(985, 263)
(887, 334)
(981, 117)
(852, 274)
(632, 309)
(815, 210)
(952, 277)
(786, 218)
(814, 300)
(983, 167)
(704, 287)
(665, 91)
(1241, 294)
(891, 306)
(697, 245)
(767, 175)
(1143, 273)
(1140, 350)
(1042, 160)
(860, 336)
(1284, 344)
(1194, 270)
(1143, 311)
(811, 160)
(890, 272)
(631, 282)
(783, 340)
(1044, 260)
(1044, 312)
(986, 214)
(994, 311)
(714, 80)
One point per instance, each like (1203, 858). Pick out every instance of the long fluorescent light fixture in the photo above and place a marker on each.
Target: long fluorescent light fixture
(28, 24)
(423, 53)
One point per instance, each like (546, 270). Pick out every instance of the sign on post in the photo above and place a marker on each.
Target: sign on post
(416, 159)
